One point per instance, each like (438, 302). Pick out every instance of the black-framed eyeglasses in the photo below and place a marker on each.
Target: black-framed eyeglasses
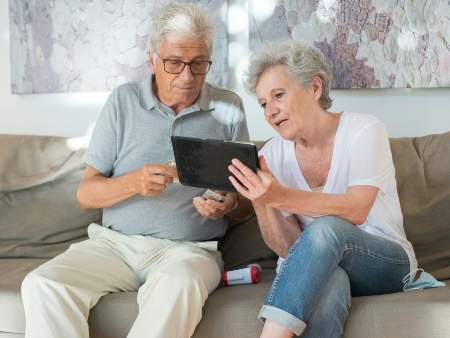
(177, 66)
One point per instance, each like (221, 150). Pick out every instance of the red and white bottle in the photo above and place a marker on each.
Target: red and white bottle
(248, 275)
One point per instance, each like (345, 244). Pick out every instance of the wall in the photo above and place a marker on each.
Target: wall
(406, 112)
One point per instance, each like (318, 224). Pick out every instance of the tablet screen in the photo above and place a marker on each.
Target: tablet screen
(204, 163)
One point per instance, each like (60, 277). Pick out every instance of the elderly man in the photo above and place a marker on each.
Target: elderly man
(157, 237)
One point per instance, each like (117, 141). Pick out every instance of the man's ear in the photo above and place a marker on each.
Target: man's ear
(151, 61)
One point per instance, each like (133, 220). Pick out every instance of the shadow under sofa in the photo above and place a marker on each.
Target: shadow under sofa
(39, 218)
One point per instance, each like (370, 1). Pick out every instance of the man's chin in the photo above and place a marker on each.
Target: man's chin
(186, 94)
(185, 89)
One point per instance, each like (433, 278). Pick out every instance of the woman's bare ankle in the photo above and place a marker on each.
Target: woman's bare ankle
(274, 330)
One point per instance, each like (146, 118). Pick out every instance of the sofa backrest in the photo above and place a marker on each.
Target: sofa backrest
(40, 216)
(422, 167)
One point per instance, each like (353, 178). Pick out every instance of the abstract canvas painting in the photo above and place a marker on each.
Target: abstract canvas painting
(368, 43)
(91, 45)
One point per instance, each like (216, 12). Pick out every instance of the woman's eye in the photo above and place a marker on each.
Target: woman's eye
(279, 95)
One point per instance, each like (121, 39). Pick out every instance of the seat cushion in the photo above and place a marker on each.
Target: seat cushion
(12, 272)
(232, 311)
(229, 312)
(412, 314)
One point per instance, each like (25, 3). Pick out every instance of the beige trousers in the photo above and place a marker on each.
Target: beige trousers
(173, 280)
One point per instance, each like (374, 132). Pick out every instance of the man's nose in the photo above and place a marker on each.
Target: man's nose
(186, 74)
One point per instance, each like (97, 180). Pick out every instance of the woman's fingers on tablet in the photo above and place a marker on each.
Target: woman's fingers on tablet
(249, 174)
(241, 177)
(239, 187)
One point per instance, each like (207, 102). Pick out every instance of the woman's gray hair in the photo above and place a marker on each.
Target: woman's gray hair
(187, 20)
(303, 62)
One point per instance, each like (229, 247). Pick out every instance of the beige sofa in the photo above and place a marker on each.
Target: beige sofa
(39, 218)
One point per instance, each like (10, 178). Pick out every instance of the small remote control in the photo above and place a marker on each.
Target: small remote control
(211, 194)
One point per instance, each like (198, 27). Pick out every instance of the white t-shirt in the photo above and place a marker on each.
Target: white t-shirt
(361, 156)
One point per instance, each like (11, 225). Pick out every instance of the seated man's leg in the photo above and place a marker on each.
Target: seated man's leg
(171, 299)
(58, 295)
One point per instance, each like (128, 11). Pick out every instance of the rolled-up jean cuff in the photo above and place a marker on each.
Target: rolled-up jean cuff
(282, 318)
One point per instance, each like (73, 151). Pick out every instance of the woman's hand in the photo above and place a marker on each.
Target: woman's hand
(260, 187)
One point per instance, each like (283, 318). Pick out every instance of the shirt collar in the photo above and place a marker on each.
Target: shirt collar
(147, 96)
(148, 99)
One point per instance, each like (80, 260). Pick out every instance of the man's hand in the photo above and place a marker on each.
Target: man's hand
(212, 209)
(152, 179)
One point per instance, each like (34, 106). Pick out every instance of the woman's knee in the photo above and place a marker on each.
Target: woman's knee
(323, 233)
(327, 228)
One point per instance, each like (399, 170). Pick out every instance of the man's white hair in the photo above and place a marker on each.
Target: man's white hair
(187, 20)
(302, 61)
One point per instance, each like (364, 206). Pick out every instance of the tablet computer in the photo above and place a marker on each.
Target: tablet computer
(204, 163)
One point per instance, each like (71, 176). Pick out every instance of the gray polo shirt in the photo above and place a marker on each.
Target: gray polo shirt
(133, 129)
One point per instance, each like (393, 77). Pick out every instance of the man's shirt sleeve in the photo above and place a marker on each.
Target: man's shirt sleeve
(102, 152)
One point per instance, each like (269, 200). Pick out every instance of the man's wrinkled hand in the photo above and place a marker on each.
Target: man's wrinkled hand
(152, 179)
(212, 209)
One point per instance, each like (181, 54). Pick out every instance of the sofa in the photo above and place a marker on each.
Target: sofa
(40, 218)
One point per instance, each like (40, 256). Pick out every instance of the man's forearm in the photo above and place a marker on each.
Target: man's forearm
(101, 192)
(278, 232)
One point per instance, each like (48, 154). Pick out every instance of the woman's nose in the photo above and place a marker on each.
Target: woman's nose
(270, 110)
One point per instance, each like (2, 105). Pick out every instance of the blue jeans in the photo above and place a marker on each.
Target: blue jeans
(330, 262)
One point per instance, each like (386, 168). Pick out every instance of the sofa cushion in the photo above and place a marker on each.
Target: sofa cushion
(232, 311)
(411, 314)
(423, 180)
(40, 216)
(243, 244)
(229, 312)
(13, 271)
(42, 221)
(26, 160)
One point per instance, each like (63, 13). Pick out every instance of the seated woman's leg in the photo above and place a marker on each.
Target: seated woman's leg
(374, 265)
(331, 311)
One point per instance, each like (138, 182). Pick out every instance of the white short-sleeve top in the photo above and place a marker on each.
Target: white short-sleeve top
(361, 156)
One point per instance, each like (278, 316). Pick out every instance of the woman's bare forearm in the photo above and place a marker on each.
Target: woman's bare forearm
(354, 205)
(278, 232)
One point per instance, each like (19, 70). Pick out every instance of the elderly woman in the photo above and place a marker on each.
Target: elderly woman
(325, 198)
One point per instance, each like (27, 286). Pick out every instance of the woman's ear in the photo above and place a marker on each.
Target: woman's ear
(317, 86)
